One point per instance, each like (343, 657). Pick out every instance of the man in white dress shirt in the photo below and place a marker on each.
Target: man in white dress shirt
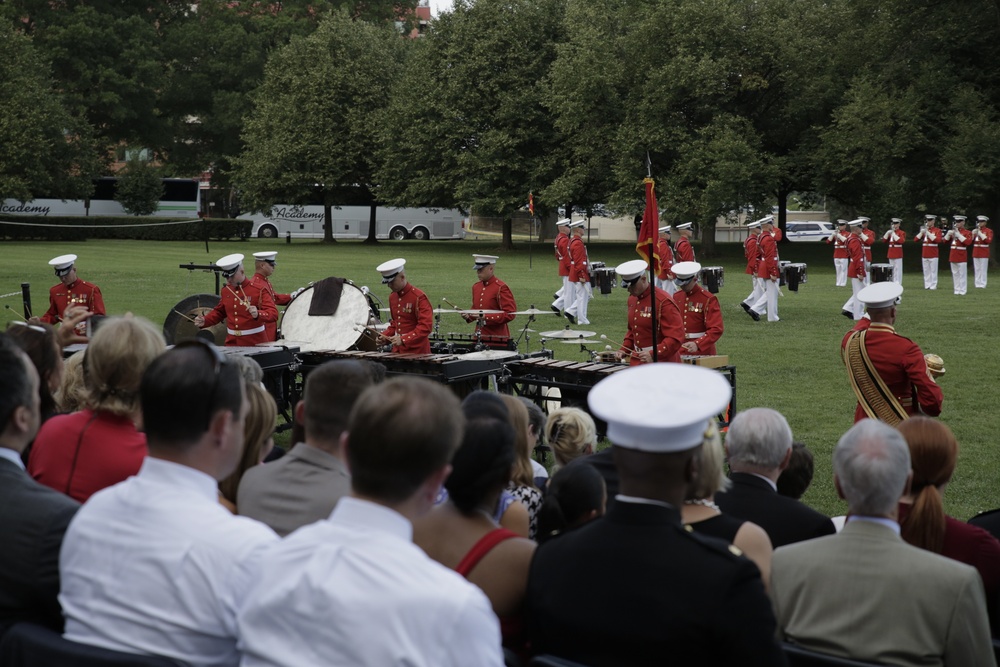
(155, 565)
(353, 589)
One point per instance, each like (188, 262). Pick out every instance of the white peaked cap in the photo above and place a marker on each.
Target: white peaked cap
(880, 295)
(390, 269)
(686, 269)
(631, 270)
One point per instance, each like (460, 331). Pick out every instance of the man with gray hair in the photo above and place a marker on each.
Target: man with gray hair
(759, 446)
(865, 594)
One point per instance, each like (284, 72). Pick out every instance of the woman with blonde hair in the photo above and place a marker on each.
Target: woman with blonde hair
(571, 433)
(69, 398)
(81, 453)
(703, 516)
(522, 481)
(258, 440)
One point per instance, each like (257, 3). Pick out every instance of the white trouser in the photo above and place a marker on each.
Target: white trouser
(853, 306)
(758, 291)
(582, 293)
(664, 284)
(560, 301)
(768, 301)
(897, 270)
(868, 273)
(930, 272)
(979, 267)
(840, 265)
(960, 276)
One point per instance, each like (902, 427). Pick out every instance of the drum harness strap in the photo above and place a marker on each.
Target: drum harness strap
(873, 394)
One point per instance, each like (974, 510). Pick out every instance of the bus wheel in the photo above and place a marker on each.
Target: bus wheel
(267, 232)
(421, 234)
(398, 234)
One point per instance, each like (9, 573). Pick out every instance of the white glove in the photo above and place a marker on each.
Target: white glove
(886, 235)
(959, 236)
(297, 292)
(951, 233)
(894, 237)
(982, 237)
(841, 237)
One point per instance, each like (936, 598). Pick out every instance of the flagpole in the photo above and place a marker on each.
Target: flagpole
(649, 244)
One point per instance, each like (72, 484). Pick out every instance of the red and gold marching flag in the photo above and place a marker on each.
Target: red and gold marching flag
(531, 204)
(650, 229)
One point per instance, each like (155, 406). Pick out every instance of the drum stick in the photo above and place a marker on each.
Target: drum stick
(7, 306)
(364, 327)
(451, 304)
(620, 345)
(189, 319)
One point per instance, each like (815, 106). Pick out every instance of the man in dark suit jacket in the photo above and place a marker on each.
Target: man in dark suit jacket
(634, 587)
(759, 446)
(33, 518)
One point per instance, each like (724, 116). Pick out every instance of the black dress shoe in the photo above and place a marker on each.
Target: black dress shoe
(848, 314)
(555, 310)
(754, 314)
(745, 306)
(572, 320)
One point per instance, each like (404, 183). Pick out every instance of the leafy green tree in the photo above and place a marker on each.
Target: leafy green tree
(139, 188)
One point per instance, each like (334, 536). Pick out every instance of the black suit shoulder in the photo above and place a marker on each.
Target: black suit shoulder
(784, 519)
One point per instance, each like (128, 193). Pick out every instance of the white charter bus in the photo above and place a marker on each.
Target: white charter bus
(351, 222)
(181, 199)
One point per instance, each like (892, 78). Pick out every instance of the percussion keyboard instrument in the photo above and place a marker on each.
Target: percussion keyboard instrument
(445, 368)
(269, 357)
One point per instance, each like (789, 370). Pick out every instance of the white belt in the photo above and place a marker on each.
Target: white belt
(692, 336)
(246, 332)
(930, 245)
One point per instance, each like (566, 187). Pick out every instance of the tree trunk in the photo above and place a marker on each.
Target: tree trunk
(328, 222)
(508, 237)
(783, 193)
(373, 209)
(708, 239)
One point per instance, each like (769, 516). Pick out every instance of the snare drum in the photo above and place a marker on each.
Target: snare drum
(594, 268)
(782, 266)
(605, 279)
(794, 275)
(881, 273)
(713, 278)
(338, 332)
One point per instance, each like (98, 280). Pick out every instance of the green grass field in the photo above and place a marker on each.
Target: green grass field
(793, 366)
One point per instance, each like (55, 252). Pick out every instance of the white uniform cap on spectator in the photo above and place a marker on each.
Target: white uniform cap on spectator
(266, 256)
(686, 270)
(484, 260)
(982, 218)
(563, 223)
(230, 264)
(577, 223)
(665, 228)
(855, 223)
(659, 407)
(631, 270)
(62, 264)
(881, 295)
(390, 269)
(685, 225)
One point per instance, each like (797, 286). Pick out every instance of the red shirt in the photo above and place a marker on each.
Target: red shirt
(701, 314)
(751, 253)
(901, 365)
(562, 253)
(960, 246)
(640, 327)
(80, 293)
(683, 250)
(856, 255)
(930, 239)
(767, 257)
(81, 453)
(666, 259)
(494, 295)
(839, 247)
(261, 282)
(233, 309)
(412, 319)
(981, 246)
(867, 238)
(578, 267)
(895, 246)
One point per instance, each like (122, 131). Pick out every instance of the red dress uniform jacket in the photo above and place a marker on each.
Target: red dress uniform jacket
(856, 255)
(702, 314)
(751, 253)
(562, 253)
(666, 260)
(981, 247)
(579, 268)
(640, 327)
(767, 257)
(412, 319)
(901, 365)
(233, 310)
(931, 238)
(839, 247)
(867, 239)
(262, 283)
(80, 293)
(960, 248)
(683, 250)
(494, 295)
(895, 247)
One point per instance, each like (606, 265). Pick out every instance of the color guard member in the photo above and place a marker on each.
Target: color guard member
(71, 291)
(491, 293)
(854, 309)
(264, 264)
(839, 241)
(958, 256)
(412, 315)
(895, 237)
(579, 275)
(981, 240)
(752, 254)
(638, 343)
(683, 251)
(867, 239)
(700, 311)
(929, 237)
(768, 271)
(561, 244)
(244, 307)
(664, 277)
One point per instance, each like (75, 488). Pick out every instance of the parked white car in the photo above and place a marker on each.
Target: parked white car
(808, 230)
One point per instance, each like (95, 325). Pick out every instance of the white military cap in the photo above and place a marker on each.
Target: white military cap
(266, 256)
(959, 218)
(685, 225)
(864, 219)
(577, 223)
(841, 221)
(62, 264)
(982, 218)
(659, 407)
(754, 224)
(881, 295)
(390, 269)
(896, 221)
(930, 216)
(563, 223)
(230, 263)
(484, 260)
(686, 270)
(855, 223)
(767, 220)
(632, 270)
(665, 228)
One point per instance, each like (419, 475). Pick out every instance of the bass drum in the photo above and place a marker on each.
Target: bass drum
(179, 326)
(344, 330)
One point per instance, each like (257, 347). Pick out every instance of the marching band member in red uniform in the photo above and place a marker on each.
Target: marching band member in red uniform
(412, 315)
(490, 293)
(854, 309)
(579, 275)
(867, 239)
(700, 311)
(683, 252)
(929, 237)
(895, 237)
(981, 240)
(638, 343)
(839, 241)
(960, 239)
(752, 253)
(71, 291)
(264, 265)
(768, 271)
(664, 277)
(244, 308)
(561, 243)
(893, 361)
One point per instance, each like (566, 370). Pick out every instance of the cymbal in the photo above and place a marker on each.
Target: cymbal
(582, 341)
(567, 333)
(437, 311)
(479, 312)
(534, 311)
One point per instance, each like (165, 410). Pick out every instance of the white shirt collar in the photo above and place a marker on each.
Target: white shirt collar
(11, 455)
(366, 515)
(642, 501)
(888, 523)
(179, 475)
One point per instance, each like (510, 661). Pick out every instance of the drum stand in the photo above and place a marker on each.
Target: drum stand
(526, 335)
(479, 347)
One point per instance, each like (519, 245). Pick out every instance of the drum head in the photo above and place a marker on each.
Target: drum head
(178, 325)
(337, 332)
(490, 354)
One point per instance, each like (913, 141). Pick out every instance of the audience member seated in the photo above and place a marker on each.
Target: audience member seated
(704, 516)
(155, 565)
(40, 343)
(72, 390)
(571, 434)
(795, 479)
(33, 518)
(633, 587)
(304, 486)
(576, 495)
(84, 452)
(864, 593)
(536, 439)
(258, 439)
(461, 533)
(933, 455)
(250, 370)
(353, 589)
(522, 482)
(759, 447)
